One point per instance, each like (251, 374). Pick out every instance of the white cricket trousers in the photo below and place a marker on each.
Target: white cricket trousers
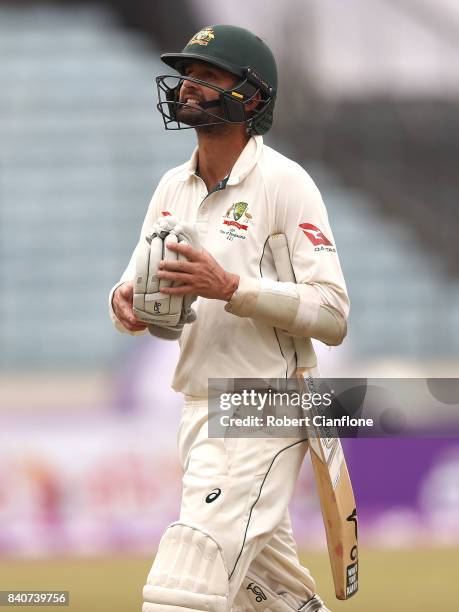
(238, 490)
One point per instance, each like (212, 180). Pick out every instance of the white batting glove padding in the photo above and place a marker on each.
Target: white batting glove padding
(150, 304)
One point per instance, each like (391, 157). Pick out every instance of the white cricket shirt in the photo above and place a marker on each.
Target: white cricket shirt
(266, 193)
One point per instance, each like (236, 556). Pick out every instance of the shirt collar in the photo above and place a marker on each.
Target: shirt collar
(243, 166)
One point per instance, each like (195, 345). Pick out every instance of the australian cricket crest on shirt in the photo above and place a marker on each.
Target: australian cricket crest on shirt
(236, 221)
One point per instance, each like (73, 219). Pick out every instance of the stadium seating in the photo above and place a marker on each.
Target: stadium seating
(403, 303)
(82, 149)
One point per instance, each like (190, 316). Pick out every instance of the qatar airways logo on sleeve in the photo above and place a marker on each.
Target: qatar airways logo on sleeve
(315, 235)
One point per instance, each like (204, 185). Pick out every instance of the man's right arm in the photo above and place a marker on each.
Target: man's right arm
(121, 295)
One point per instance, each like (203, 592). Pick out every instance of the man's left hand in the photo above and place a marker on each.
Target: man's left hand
(200, 275)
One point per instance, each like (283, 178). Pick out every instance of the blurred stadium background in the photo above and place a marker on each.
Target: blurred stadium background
(369, 103)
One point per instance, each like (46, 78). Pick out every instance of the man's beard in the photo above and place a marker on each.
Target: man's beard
(196, 117)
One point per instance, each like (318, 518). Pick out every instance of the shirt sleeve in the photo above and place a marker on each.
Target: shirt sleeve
(317, 304)
(301, 215)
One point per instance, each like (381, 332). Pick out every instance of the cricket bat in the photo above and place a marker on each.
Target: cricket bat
(329, 464)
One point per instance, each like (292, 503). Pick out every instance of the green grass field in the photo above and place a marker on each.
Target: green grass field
(390, 581)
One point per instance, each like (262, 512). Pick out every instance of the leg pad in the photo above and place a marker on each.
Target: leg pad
(188, 573)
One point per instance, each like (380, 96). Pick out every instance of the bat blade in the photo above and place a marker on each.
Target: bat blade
(338, 507)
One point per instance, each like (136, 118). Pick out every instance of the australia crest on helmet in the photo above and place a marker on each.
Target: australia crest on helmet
(203, 37)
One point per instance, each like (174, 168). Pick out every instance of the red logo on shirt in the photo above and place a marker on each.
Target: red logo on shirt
(240, 226)
(166, 213)
(314, 234)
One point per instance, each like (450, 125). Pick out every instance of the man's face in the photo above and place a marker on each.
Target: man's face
(193, 94)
